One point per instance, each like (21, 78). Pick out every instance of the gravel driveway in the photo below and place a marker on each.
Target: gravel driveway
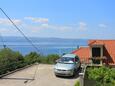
(44, 77)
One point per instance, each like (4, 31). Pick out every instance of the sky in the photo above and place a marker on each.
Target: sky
(84, 19)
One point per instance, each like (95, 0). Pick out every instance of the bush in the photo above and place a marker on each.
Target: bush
(49, 59)
(104, 76)
(9, 60)
(31, 58)
(42, 59)
(52, 58)
(77, 83)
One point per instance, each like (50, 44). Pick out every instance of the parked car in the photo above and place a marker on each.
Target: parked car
(67, 65)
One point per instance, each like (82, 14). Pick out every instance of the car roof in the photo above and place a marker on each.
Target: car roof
(69, 55)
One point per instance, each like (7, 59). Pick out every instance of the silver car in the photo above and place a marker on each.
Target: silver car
(67, 65)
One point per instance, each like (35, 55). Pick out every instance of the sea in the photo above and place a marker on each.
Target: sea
(45, 46)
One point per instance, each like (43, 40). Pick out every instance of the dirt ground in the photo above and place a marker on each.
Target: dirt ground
(44, 77)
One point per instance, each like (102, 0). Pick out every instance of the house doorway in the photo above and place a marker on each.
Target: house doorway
(96, 52)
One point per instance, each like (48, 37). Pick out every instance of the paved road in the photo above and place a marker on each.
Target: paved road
(44, 77)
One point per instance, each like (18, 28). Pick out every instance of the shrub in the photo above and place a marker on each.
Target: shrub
(9, 60)
(42, 59)
(52, 58)
(77, 83)
(31, 58)
(104, 76)
(49, 59)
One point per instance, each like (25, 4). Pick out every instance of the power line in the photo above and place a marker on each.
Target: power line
(19, 30)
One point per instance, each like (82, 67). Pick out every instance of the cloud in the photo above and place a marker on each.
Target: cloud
(5, 21)
(41, 25)
(9, 32)
(45, 25)
(57, 27)
(49, 27)
(102, 25)
(82, 26)
(38, 20)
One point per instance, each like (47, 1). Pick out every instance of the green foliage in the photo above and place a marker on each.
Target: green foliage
(10, 60)
(77, 83)
(31, 58)
(43, 60)
(104, 76)
(49, 59)
(52, 58)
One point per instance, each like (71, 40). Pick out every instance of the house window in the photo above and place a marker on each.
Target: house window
(96, 52)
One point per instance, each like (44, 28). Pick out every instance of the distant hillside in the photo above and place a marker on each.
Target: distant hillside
(50, 40)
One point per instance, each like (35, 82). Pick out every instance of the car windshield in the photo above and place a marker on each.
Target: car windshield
(66, 60)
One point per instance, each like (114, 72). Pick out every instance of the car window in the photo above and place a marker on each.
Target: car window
(65, 59)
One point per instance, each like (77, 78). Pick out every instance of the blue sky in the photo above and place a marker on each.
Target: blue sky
(92, 19)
